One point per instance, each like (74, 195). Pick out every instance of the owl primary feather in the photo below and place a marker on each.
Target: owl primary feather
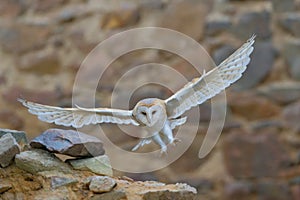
(158, 117)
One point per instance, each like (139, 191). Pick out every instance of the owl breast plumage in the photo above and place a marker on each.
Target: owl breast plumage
(158, 117)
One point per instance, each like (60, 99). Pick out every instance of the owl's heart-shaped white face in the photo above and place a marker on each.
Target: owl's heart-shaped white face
(149, 112)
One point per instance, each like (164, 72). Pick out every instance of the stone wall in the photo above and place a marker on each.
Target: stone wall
(42, 44)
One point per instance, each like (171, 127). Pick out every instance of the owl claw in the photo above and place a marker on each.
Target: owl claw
(141, 144)
(175, 141)
(163, 151)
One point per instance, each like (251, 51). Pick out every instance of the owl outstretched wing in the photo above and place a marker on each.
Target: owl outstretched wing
(78, 117)
(210, 84)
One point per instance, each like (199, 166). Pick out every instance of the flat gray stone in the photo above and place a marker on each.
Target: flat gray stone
(281, 92)
(99, 165)
(20, 136)
(101, 184)
(37, 160)
(262, 60)
(8, 149)
(57, 181)
(69, 142)
(291, 23)
(291, 52)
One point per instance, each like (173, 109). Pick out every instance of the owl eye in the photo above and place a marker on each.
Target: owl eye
(143, 113)
(153, 113)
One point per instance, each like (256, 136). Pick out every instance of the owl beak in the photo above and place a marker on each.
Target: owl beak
(149, 118)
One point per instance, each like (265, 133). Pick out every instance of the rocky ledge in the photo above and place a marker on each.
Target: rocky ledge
(34, 171)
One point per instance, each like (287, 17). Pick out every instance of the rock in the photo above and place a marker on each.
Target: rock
(253, 156)
(35, 161)
(217, 23)
(4, 187)
(99, 165)
(20, 136)
(120, 18)
(281, 92)
(273, 190)
(222, 53)
(47, 97)
(238, 190)
(46, 5)
(10, 9)
(254, 22)
(291, 52)
(295, 190)
(262, 60)
(283, 6)
(8, 149)
(41, 62)
(187, 17)
(19, 38)
(101, 184)
(113, 195)
(57, 182)
(291, 23)
(252, 107)
(182, 192)
(291, 116)
(10, 119)
(68, 142)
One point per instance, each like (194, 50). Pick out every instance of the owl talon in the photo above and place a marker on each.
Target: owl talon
(163, 151)
(141, 144)
(175, 141)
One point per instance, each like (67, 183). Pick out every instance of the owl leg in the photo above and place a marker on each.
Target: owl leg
(168, 134)
(141, 143)
(157, 139)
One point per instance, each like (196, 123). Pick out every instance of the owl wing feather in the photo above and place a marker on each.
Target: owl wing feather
(78, 117)
(210, 84)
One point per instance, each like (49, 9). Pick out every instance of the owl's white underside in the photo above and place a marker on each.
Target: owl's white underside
(159, 117)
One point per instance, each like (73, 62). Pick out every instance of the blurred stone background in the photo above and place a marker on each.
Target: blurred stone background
(43, 42)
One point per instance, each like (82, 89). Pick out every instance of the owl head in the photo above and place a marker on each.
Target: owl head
(150, 111)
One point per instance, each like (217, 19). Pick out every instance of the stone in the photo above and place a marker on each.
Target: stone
(4, 187)
(238, 189)
(291, 23)
(291, 116)
(9, 119)
(273, 190)
(253, 22)
(46, 5)
(47, 97)
(113, 195)
(281, 92)
(69, 142)
(19, 38)
(253, 155)
(99, 165)
(37, 160)
(11, 9)
(8, 149)
(57, 182)
(291, 51)
(41, 62)
(217, 23)
(181, 192)
(283, 6)
(222, 53)
(101, 184)
(262, 60)
(120, 18)
(295, 190)
(187, 17)
(252, 107)
(20, 136)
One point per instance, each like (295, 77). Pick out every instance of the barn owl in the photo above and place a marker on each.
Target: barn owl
(158, 117)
